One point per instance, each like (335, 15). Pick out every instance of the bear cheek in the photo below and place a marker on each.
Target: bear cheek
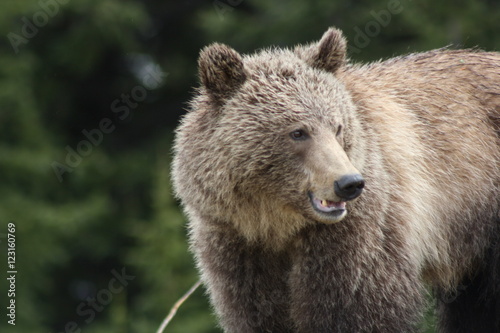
(286, 181)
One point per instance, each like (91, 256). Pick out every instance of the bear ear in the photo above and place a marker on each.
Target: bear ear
(221, 71)
(328, 54)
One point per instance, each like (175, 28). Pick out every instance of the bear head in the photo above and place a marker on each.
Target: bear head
(269, 144)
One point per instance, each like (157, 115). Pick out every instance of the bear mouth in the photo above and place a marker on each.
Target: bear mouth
(332, 209)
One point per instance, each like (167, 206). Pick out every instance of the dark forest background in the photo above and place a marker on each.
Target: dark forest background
(90, 93)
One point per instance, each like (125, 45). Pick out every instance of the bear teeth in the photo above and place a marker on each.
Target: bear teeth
(329, 206)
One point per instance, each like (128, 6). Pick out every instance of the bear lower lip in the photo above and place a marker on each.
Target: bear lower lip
(326, 206)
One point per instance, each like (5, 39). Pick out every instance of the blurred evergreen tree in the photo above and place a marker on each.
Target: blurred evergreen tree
(374, 29)
(61, 66)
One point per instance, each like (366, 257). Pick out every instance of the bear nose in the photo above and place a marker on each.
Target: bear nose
(349, 187)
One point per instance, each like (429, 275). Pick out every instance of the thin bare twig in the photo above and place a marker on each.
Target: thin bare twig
(176, 306)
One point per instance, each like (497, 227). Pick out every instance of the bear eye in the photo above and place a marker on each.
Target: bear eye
(299, 135)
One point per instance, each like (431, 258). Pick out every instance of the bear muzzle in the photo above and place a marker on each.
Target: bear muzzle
(347, 187)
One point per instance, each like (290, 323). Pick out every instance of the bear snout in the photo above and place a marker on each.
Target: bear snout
(349, 187)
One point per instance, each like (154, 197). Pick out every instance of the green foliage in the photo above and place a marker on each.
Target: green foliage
(85, 210)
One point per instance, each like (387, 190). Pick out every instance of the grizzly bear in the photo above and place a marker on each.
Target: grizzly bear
(326, 196)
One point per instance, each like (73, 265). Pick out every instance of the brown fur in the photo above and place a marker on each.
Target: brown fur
(423, 130)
